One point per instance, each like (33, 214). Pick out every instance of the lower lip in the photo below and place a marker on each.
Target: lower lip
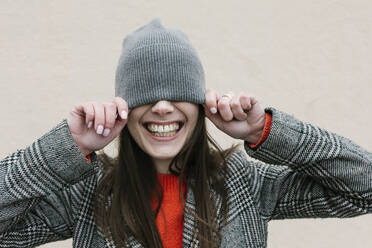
(166, 138)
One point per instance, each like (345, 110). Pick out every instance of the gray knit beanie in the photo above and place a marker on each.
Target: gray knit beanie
(159, 63)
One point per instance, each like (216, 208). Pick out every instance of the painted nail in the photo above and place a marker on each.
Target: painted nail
(106, 132)
(90, 124)
(213, 110)
(124, 114)
(100, 129)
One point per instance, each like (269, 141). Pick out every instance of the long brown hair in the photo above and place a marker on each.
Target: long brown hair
(130, 182)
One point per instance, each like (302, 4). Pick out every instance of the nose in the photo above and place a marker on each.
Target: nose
(163, 107)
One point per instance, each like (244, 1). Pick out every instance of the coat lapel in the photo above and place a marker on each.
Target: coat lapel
(189, 221)
(109, 244)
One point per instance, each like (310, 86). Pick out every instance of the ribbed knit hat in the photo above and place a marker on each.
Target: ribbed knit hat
(158, 63)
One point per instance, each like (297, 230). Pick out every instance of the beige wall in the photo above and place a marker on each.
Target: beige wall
(312, 59)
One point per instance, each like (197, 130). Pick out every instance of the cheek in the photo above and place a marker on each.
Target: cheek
(137, 137)
(134, 132)
(194, 119)
(192, 126)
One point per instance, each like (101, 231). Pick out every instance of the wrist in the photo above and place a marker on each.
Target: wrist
(84, 151)
(257, 131)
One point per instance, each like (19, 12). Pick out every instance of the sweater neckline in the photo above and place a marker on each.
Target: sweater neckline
(169, 182)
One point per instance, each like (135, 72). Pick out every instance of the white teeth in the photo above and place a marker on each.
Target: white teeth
(166, 128)
(165, 134)
(163, 128)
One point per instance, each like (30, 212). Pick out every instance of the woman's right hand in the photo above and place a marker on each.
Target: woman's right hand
(94, 125)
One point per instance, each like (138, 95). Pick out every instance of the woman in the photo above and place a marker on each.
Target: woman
(171, 185)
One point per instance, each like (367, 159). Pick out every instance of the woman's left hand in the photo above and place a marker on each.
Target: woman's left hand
(239, 116)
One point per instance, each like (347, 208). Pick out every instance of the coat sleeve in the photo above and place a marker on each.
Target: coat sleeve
(38, 186)
(306, 171)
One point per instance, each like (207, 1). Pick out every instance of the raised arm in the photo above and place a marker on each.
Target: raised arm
(35, 185)
(308, 171)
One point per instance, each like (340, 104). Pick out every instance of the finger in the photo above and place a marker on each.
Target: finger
(89, 114)
(253, 100)
(223, 107)
(247, 101)
(80, 110)
(122, 107)
(211, 97)
(215, 119)
(110, 117)
(237, 109)
(99, 117)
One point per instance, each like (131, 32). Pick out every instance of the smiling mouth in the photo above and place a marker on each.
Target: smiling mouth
(163, 130)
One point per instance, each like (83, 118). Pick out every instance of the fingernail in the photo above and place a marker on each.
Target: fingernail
(106, 132)
(213, 110)
(90, 124)
(100, 129)
(124, 114)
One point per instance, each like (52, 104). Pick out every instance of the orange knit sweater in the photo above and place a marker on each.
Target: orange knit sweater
(170, 217)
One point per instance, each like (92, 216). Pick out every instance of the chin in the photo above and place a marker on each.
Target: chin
(163, 155)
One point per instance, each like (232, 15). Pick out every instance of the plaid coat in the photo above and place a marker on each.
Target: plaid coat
(300, 171)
